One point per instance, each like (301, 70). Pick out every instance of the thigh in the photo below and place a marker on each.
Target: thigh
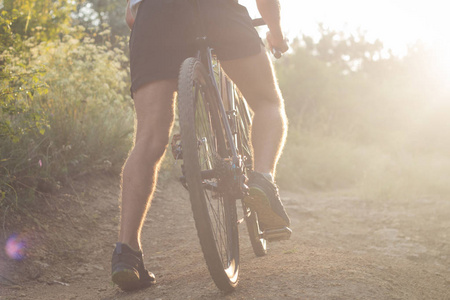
(255, 78)
(154, 105)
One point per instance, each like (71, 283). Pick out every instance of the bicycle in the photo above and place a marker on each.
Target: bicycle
(214, 146)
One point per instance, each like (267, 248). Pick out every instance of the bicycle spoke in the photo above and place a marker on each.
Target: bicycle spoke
(207, 147)
(218, 217)
(219, 224)
(204, 143)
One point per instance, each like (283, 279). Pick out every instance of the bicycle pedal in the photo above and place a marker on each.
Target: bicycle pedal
(277, 234)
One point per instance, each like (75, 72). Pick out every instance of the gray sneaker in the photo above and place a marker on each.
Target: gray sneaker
(128, 270)
(264, 198)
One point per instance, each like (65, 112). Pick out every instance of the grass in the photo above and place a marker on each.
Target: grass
(378, 171)
(405, 175)
(314, 162)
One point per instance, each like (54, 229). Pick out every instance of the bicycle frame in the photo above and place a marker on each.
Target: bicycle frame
(216, 150)
(205, 55)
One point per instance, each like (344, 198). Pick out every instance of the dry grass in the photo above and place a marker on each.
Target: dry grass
(381, 171)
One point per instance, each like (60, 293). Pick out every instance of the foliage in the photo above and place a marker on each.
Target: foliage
(93, 14)
(59, 90)
(350, 119)
(23, 24)
(348, 51)
(44, 20)
(79, 121)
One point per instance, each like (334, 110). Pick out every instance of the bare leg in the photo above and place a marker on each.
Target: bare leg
(256, 79)
(154, 114)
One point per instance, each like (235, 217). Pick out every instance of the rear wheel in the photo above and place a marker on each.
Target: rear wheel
(259, 244)
(204, 152)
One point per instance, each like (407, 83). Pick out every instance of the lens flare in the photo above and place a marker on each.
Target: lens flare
(15, 247)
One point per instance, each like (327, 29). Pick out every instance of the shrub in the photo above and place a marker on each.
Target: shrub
(66, 110)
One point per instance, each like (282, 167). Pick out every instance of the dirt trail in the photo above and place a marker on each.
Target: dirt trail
(342, 248)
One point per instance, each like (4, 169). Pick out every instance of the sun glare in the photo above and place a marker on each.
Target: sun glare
(443, 61)
(15, 247)
(399, 24)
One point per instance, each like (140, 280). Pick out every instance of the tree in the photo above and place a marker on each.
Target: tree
(44, 20)
(94, 13)
(349, 52)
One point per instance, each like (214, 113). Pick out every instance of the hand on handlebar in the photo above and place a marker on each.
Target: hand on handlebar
(277, 46)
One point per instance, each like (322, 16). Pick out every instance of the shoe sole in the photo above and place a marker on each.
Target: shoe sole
(258, 201)
(127, 280)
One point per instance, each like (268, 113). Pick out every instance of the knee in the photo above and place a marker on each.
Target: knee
(271, 111)
(271, 104)
(266, 99)
(151, 147)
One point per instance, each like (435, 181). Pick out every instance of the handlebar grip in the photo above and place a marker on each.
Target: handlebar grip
(260, 22)
(277, 53)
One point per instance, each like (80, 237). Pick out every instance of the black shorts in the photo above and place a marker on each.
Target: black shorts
(164, 33)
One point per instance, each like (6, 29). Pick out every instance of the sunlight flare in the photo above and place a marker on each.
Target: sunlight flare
(15, 247)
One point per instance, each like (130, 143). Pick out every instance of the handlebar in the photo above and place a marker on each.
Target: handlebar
(260, 22)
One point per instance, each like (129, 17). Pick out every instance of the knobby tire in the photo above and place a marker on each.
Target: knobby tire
(203, 141)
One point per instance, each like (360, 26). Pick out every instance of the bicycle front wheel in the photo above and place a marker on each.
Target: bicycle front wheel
(204, 149)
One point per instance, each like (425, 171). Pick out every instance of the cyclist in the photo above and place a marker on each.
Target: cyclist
(162, 36)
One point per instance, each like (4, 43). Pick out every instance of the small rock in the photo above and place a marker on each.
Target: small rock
(41, 264)
(82, 271)
(100, 268)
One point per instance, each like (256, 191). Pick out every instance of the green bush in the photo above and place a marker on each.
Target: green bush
(66, 110)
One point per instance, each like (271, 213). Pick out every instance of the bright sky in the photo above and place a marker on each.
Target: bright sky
(396, 23)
